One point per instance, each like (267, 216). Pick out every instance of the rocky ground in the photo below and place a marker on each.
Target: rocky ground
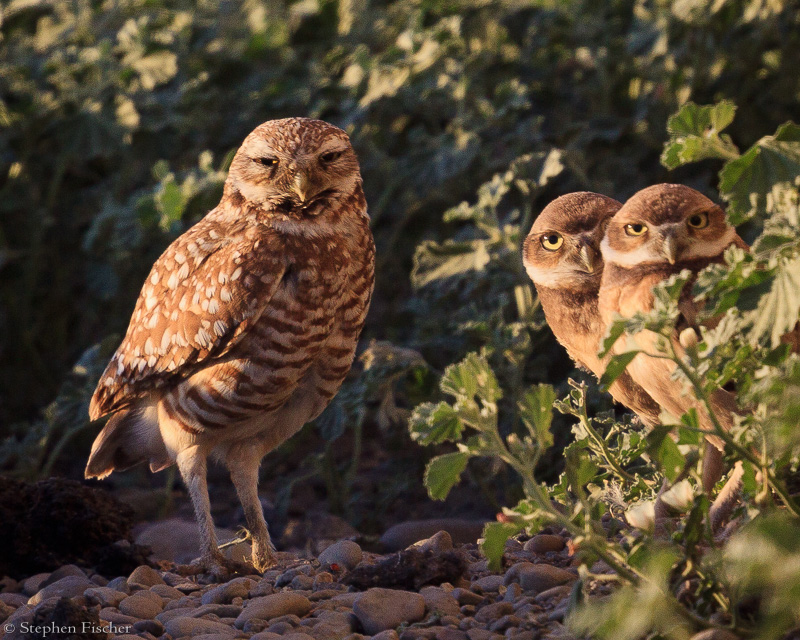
(432, 589)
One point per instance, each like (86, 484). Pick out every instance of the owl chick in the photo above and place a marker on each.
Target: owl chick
(562, 257)
(658, 232)
(246, 325)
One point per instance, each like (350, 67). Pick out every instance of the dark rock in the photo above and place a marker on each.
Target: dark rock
(56, 522)
(544, 542)
(409, 569)
(65, 620)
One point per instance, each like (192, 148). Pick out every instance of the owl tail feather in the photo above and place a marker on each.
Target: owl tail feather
(130, 437)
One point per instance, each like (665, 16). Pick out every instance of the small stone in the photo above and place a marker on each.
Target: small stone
(63, 572)
(219, 610)
(265, 635)
(166, 592)
(450, 634)
(556, 593)
(104, 596)
(144, 605)
(6, 611)
(297, 635)
(13, 599)
(540, 577)
(488, 583)
(68, 587)
(99, 580)
(280, 628)
(8, 584)
(438, 543)
(144, 577)
(380, 609)
(119, 584)
(437, 600)
(513, 593)
(506, 622)
(545, 542)
(302, 583)
(178, 627)
(273, 606)
(346, 553)
(493, 611)
(224, 593)
(149, 626)
(177, 612)
(111, 614)
(32, 585)
(287, 576)
(465, 596)
(388, 634)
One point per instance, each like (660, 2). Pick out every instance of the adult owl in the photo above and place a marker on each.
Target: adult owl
(659, 232)
(246, 325)
(562, 256)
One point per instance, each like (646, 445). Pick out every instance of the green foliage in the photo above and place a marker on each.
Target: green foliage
(670, 588)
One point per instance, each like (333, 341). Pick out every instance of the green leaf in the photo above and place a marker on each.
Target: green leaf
(616, 367)
(434, 261)
(443, 472)
(613, 334)
(670, 457)
(435, 423)
(536, 411)
(779, 308)
(695, 134)
(761, 182)
(470, 377)
(495, 535)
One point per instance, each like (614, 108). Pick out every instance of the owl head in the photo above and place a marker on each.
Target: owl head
(295, 166)
(562, 249)
(667, 224)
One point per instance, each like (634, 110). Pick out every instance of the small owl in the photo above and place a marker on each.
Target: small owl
(246, 325)
(562, 257)
(660, 231)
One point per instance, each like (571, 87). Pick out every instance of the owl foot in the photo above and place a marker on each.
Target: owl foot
(217, 569)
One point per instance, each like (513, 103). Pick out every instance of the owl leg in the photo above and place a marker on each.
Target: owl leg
(192, 465)
(244, 475)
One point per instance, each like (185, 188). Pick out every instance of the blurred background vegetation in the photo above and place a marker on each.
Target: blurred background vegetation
(118, 119)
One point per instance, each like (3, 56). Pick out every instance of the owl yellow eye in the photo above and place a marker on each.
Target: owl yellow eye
(635, 229)
(552, 241)
(698, 220)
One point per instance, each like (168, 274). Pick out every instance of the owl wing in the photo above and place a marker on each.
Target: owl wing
(200, 298)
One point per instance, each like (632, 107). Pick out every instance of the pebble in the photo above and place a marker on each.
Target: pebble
(184, 626)
(380, 609)
(545, 542)
(438, 543)
(540, 577)
(488, 583)
(144, 577)
(63, 572)
(439, 601)
(388, 634)
(345, 553)
(31, 586)
(67, 587)
(493, 611)
(144, 605)
(278, 604)
(224, 593)
(104, 596)
(13, 599)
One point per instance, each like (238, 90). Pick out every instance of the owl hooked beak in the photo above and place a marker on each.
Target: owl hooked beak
(302, 186)
(588, 258)
(670, 247)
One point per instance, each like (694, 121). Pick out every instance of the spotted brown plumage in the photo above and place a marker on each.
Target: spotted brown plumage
(247, 324)
(562, 257)
(660, 231)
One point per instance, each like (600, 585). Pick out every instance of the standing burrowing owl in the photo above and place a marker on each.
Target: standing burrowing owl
(660, 231)
(247, 324)
(562, 257)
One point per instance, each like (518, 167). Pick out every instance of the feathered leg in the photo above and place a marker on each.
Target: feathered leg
(244, 475)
